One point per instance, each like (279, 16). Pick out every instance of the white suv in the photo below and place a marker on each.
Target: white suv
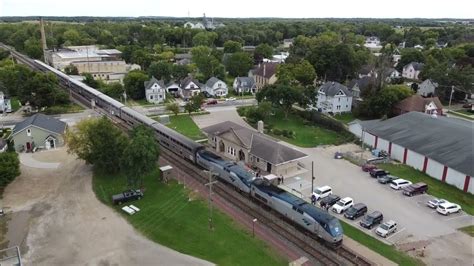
(399, 183)
(342, 205)
(386, 228)
(322, 192)
(447, 208)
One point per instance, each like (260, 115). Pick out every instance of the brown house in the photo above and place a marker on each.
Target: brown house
(417, 103)
(265, 74)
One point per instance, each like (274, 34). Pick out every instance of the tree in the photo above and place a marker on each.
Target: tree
(90, 81)
(410, 55)
(33, 48)
(114, 90)
(71, 70)
(239, 64)
(98, 142)
(262, 51)
(9, 167)
(302, 72)
(265, 109)
(207, 63)
(194, 104)
(380, 104)
(180, 71)
(204, 38)
(232, 47)
(161, 70)
(140, 155)
(134, 83)
(280, 95)
(172, 107)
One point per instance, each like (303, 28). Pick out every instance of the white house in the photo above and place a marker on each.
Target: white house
(244, 85)
(155, 90)
(188, 88)
(216, 87)
(5, 104)
(334, 97)
(391, 74)
(427, 88)
(412, 70)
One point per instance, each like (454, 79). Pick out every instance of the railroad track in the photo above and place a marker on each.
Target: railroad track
(308, 243)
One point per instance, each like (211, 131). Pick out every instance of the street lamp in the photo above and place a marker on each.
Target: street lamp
(253, 226)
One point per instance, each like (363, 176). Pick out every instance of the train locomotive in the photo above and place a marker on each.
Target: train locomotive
(307, 216)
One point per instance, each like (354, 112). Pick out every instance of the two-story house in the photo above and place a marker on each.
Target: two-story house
(244, 85)
(189, 87)
(155, 91)
(265, 74)
(334, 97)
(216, 87)
(427, 88)
(412, 70)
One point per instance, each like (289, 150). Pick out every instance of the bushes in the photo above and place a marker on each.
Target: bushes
(9, 167)
(283, 132)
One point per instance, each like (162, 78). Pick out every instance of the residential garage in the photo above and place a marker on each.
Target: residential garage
(442, 147)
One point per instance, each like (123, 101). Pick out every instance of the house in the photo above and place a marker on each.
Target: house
(3, 145)
(253, 148)
(441, 45)
(359, 86)
(216, 87)
(427, 88)
(287, 43)
(191, 25)
(173, 88)
(412, 70)
(373, 43)
(419, 47)
(417, 103)
(334, 97)
(244, 85)
(391, 74)
(367, 71)
(439, 146)
(155, 90)
(265, 74)
(38, 131)
(189, 87)
(5, 104)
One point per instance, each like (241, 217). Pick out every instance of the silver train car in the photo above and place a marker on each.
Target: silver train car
(229, 172)
(306, 215)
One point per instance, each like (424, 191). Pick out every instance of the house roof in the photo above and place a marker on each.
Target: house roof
(42, 121)
(245, 82)
(364, 70)
(210, 82)
(389, 71)
(331, 88)
(152, 81)
(417, 66)
(259, 144)
(446, 140)
(185, 82)
(363, 83)
(266, 70)
(428, 85)
(417, 103)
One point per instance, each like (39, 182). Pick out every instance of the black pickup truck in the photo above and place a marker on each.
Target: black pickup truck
(127, 196)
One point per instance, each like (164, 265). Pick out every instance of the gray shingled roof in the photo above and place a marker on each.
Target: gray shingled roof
(331, 88)
(152, 81)
(259, 144)
(448, 141)
(210, 82)
(245, 82)
(42, 121)
(416, 65)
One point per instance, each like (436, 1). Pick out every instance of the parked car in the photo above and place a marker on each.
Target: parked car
(338, 155)
(230, 99)
(322, 192)
(414, 189)
(447, 208)
(434, 203)
(385, 179)
(378, 172)
(342, 205)
(329, 201)
(129, 195)
(399, 183)
(467, 105)
(371, 220)
(386, 228)
(366, 167)
(356, 211)
(213, 101)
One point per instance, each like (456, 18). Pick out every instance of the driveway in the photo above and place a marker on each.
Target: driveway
(56, 220)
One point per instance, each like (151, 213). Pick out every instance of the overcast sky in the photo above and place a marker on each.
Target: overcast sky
(242, 8)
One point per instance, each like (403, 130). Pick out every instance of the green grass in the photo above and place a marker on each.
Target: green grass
(345, 118)
(64, 109)
(305, 135)
(436, 188)
(463, 114)
(169, 218)
(388, 251)
(15, 104)
(185, 125)
(468, 230)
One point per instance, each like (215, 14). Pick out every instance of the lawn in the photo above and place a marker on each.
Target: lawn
(345, 118)
(436, 188)
(64, 109)
(305, 135)
(185, 125)
(168, 217)
(468, 230)
(389, 252)
(15, 104)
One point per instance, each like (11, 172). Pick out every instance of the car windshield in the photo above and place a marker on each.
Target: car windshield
(317, 191)
(351, 210)
(340, 203)
(369, 219)
(384, 226)
(334, 228)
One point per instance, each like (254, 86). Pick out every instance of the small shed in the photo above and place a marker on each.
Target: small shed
(165, 172)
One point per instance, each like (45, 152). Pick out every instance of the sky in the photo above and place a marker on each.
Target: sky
(243, 8)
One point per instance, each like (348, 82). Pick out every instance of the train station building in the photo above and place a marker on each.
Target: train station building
(255, 149)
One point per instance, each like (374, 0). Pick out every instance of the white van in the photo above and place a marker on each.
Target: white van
(399, 183)
(322, 192)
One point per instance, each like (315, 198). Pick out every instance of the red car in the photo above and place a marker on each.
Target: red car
(212, 102)
(366, 167)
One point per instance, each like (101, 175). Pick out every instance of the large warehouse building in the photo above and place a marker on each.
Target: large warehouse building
(441, 147)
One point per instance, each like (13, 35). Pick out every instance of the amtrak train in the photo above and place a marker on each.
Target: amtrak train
(307, 216)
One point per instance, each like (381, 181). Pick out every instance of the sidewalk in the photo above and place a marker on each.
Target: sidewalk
(366, 252)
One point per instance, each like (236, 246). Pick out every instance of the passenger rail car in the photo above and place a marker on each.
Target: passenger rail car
(307, 216)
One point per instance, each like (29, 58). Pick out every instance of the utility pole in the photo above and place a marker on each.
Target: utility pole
(451, 97)
(210, 173)
(312, 176)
